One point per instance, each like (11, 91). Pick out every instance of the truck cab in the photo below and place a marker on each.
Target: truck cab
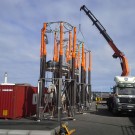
(123, 97)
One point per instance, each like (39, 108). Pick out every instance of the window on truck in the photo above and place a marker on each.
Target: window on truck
(126, 91)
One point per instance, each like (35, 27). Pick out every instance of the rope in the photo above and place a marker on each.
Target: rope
(79, 29)
(80, 32)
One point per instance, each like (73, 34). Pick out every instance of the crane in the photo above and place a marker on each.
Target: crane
(117, 52)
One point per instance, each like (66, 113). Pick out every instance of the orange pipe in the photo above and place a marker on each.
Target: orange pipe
(43, 39)
(85, 61)
(78, 59)
(90, 62)
(74, 43)
(43, 43)
(55, 48)
(57, 55)
(61, 39)
(67, 53)
(70, 44)
(41, 47)
(82, 64)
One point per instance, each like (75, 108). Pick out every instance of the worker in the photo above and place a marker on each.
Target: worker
(98, 99)
(63, 102)
(49, 101)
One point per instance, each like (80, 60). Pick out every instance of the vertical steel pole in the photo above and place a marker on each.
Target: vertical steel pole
(55, 48)
(39, 94)
(59, 100)
(44, 62)
(82, 77)
(70, 60)
(68, 96)
(73, 71)
(41, 83)
(60, 68)
(85, 88)
(61, 50)
(89, 75)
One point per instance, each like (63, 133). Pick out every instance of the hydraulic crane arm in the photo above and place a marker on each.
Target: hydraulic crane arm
(117, 52)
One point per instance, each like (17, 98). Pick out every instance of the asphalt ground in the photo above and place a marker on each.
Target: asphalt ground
(92, 122)
(24, 124)
(28, 127)
(102, 122)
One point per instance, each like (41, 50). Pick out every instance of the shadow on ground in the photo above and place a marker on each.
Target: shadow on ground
(102, 111)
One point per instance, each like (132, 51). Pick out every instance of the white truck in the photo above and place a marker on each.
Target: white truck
(123, 97)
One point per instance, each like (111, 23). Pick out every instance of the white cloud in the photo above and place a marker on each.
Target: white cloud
(22, 20)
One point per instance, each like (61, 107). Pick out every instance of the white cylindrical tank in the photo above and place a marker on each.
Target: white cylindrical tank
(5, 77)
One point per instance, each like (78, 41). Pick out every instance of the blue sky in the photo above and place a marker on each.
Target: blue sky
(20, 26)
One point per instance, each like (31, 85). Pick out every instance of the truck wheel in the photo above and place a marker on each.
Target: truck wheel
(115, 112)
(109, 108)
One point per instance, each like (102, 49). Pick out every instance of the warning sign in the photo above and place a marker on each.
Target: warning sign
(5, 112)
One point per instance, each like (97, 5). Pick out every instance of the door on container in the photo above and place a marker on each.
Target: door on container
(6, 101)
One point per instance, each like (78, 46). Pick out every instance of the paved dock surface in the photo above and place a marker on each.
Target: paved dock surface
(102, 122)
(28, 127)
(28, 124)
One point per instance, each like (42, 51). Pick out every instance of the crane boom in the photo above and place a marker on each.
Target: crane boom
(117, 52)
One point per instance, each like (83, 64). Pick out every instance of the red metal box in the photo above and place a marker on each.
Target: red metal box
(16, 101)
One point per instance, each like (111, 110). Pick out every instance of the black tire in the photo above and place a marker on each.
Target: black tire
(109, 109)
(115, 112)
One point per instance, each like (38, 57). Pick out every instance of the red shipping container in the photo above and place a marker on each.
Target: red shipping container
(16, 101)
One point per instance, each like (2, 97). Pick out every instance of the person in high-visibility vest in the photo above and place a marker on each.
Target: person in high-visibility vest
(98, 99)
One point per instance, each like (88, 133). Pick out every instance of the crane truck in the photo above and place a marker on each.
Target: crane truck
(123, 97)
